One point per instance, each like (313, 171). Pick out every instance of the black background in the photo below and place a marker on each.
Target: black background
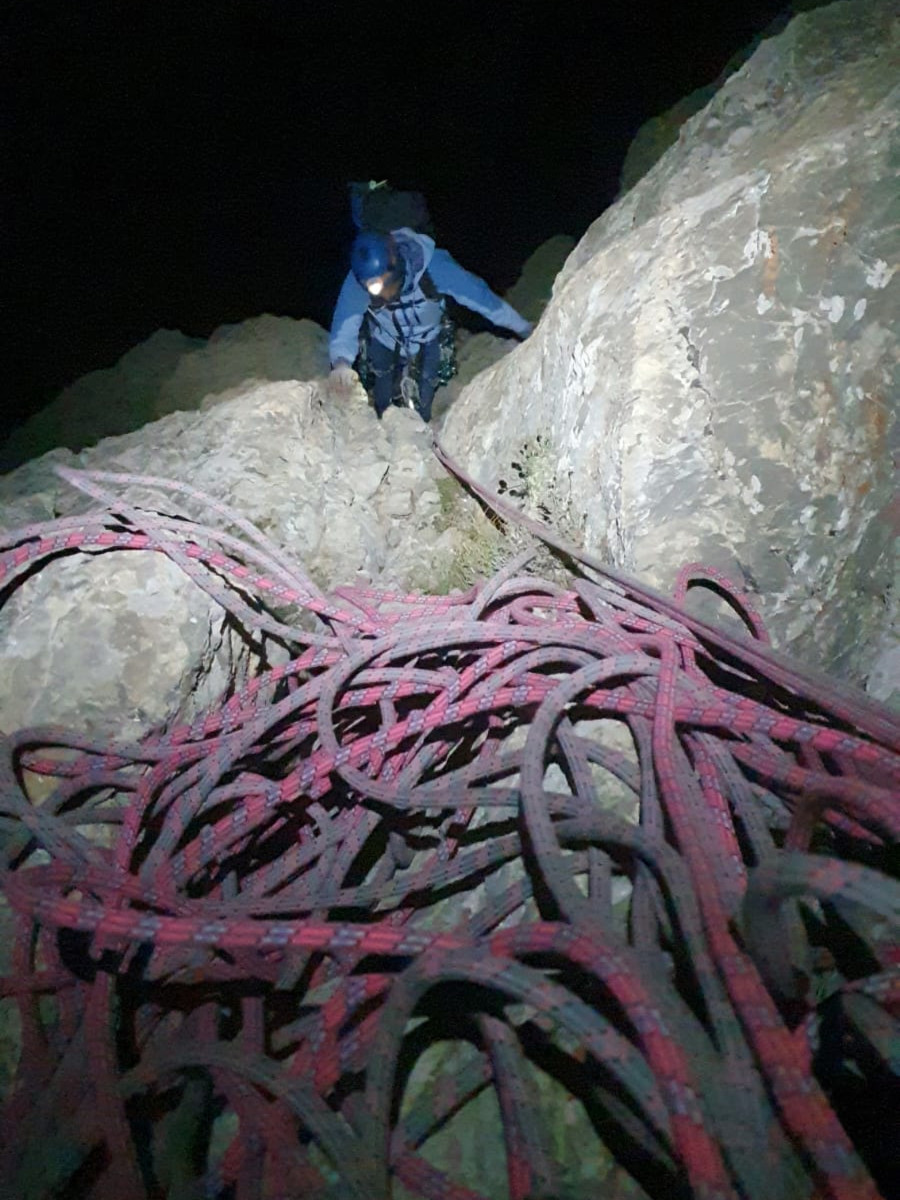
(181, 165)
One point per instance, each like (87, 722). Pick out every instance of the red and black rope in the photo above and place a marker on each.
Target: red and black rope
(230, 939)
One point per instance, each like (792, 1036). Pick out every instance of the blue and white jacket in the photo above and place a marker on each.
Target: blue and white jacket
(414, 317)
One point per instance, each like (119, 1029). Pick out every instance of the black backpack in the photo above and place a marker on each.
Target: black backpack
(381, 209)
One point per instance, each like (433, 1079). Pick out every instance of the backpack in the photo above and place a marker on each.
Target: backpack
(381, 209)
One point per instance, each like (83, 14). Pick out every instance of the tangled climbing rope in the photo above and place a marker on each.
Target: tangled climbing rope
(576, 831)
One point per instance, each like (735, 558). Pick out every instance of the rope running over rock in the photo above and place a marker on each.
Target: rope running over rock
(578, 829)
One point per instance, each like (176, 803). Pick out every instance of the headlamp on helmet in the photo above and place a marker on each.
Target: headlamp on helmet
(374, 262)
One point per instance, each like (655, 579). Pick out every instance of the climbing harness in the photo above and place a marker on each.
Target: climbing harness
(408, 366)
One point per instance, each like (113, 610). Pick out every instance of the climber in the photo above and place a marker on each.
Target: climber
(390, 318)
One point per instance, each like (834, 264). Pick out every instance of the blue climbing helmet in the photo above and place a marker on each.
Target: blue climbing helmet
(374, 261)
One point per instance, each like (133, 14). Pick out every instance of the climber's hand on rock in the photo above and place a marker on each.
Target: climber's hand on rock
(343, 379)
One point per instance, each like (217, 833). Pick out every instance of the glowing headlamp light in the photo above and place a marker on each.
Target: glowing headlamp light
(375, 286)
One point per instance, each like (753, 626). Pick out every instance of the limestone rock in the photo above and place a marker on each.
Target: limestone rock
(712, 381)
(475, 352)
(111, 645)
(260, 350)
(102, 403)
(657, 134)
(531, 292)
(170, 372)
(121, 642)
(713, 378)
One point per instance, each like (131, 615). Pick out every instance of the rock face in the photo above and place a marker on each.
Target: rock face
(711, 381)
(656, 135)
(112, 645)
(262, 350)
(168, 373)
(102, 403)
(117, 643)
(531, 292)
(713, 377)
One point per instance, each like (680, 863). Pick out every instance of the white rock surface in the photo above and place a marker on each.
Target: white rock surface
(715, 378)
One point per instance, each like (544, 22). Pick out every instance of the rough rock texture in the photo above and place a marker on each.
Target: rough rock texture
(531, 292)
(119, 642)
(85, 643)
(112, 645)
(166, 373)
(713, 378)
(261, 350)
(712, 381)
(656, 135)
(102, 403)
(170, 372)
(475, 352)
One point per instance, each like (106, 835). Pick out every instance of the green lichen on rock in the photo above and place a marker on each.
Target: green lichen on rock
(482, 542)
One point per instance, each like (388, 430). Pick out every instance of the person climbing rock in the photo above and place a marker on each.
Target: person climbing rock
(390, 319)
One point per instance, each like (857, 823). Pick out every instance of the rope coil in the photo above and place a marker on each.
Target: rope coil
(578, 828)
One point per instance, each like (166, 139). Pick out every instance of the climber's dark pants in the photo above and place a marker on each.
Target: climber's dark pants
(387, 368)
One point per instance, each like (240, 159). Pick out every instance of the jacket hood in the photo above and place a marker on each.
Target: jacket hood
(416, 250)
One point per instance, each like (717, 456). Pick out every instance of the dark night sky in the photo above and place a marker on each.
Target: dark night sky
(185, 164)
